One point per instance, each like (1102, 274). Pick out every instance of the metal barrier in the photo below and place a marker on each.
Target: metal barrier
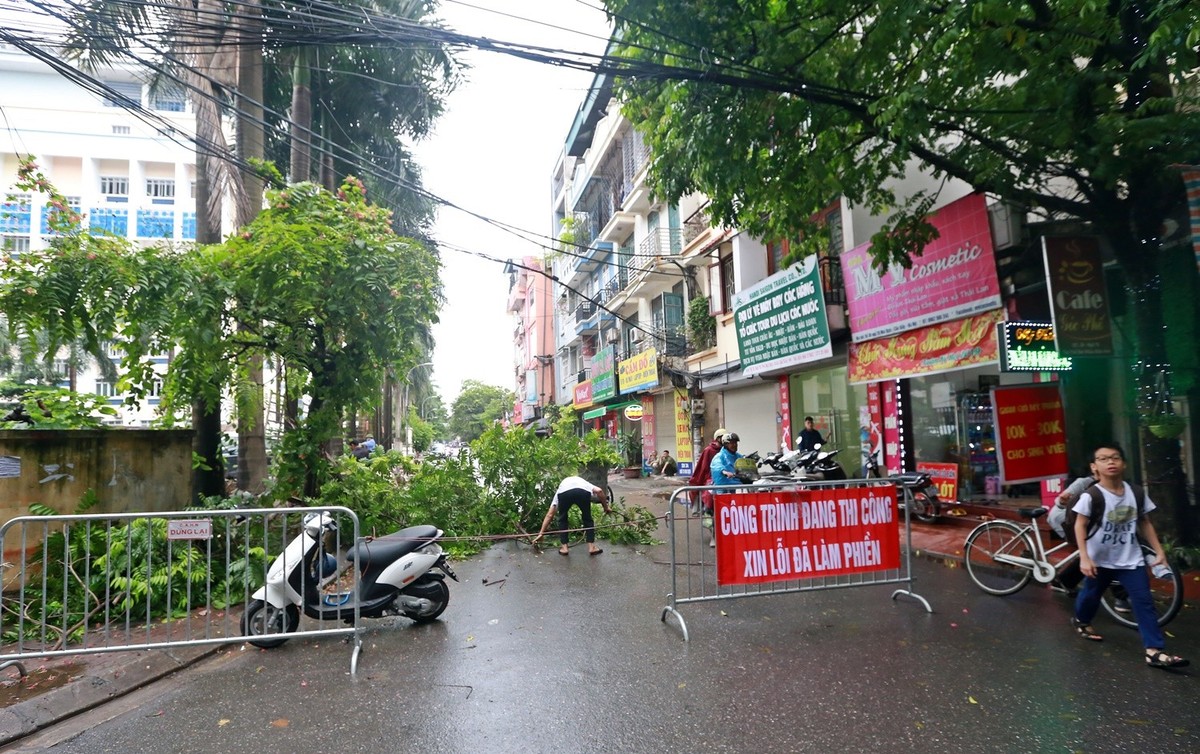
(780, 538)
(85, 584)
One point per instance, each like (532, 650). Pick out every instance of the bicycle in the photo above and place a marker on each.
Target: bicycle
(1002, 556)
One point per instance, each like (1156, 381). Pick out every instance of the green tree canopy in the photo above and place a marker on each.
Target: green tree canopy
(477, 407)
(1073, 110)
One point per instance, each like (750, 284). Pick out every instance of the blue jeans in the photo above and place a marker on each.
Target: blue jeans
(1137, 583)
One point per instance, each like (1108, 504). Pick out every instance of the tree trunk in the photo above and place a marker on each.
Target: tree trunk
(1137, 246)
(252, 445)
(301, 118)
(206, 417)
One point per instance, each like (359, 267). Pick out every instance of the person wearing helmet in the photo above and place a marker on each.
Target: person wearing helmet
(723, 463)
(700, 472)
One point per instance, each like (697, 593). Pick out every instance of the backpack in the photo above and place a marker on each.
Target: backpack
(1096, 500)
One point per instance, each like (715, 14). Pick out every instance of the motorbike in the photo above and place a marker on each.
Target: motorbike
(402, 573)
(921, 498)
(819, 464)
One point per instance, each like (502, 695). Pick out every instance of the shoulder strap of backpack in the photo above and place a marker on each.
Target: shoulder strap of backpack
(1139, 497)
(1096, 500)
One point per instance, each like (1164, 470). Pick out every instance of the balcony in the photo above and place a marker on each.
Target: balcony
(586, 320)
(516, 296)
(636, 154)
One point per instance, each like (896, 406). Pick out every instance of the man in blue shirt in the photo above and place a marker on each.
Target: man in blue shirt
(723, 463)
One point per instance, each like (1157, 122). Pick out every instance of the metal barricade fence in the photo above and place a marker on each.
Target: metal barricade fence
(779, 538)
(107, 582)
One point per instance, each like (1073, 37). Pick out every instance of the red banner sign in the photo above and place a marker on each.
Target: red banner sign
(937, 348)
(1031, 438)
(944, 475)
(802, 534)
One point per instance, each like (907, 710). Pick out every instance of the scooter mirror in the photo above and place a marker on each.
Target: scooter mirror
(315, 522)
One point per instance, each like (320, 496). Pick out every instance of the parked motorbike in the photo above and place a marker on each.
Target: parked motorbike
(922, 500)
(402, 573)
(818, 464)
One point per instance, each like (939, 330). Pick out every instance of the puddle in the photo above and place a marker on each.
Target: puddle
(42, 678)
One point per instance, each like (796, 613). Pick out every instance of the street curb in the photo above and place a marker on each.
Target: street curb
(138, 669)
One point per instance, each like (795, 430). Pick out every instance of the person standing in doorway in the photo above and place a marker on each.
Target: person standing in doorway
(700, 472)
(809, 438)
(575, 490)
(1114, 552)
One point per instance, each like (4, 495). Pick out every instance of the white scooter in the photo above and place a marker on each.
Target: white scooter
(396, 576)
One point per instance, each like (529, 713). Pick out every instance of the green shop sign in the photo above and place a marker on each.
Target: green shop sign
(1029, 347)
(781, 321)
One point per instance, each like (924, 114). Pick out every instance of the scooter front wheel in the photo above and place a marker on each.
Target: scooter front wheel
(433, 591)
(264, 619)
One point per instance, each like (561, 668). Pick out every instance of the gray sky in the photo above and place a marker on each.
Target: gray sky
(492, 153)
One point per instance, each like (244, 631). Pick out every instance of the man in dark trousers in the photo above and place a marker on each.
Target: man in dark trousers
(575, 490)
(701, 470)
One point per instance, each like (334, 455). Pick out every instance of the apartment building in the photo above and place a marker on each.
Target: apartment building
(530, 302)
(896, 364)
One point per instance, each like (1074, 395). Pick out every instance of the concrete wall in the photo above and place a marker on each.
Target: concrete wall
(129, 469)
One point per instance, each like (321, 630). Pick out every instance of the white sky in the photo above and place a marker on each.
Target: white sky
(492, 153)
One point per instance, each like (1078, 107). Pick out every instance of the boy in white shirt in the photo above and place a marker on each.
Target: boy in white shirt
(1114, 553)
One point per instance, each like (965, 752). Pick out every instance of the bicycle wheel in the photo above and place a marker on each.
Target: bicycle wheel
(997, 538)
(1167, 595)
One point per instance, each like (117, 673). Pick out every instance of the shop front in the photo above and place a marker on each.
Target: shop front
(827, 396)
(782, 325)
(924, 346)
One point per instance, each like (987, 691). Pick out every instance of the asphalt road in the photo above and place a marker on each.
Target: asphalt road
(545, 653)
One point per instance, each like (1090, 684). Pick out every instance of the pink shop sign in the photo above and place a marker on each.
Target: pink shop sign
(954, 278)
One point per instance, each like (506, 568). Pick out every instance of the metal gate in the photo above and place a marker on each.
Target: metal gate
(781, 538)
(84, 584)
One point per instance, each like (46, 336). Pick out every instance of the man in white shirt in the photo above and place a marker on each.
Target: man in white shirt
(575, 490)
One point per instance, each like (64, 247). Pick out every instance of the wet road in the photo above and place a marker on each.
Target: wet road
(547, 653)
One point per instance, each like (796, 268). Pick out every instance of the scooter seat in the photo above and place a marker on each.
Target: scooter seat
(392, 547)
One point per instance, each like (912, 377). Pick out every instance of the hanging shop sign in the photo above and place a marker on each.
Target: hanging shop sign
(1031, 438)
(634, 412)
(1029, 347)
(604, 374)
(938, 348)
(955, 276)
(683, 432)
(639, 372)
(1078, 296)
(582, 397)
(781, 322)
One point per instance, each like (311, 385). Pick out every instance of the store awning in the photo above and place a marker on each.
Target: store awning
(596, 413)
(728, 376)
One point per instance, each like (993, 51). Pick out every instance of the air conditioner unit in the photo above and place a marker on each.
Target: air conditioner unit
(635, 336)
(612, 336)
